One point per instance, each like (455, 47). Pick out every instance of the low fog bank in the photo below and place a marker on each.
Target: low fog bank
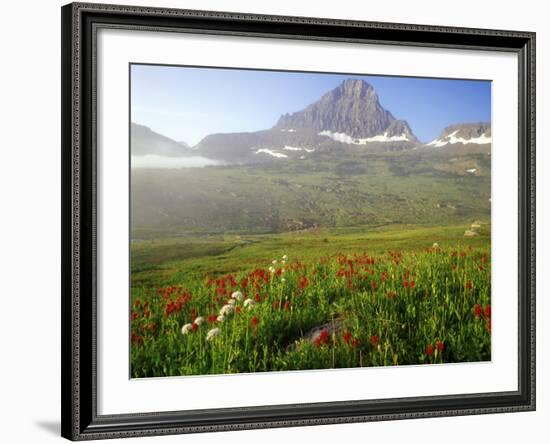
(154, 161)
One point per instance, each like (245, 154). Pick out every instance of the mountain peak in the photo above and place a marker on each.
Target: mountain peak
(356, 88)
(352, 109)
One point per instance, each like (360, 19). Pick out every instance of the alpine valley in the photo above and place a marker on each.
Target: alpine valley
(334, 239)
(342, 161)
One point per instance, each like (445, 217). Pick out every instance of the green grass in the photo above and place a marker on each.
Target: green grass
(352, 191)
(350, 278)
(169, 261)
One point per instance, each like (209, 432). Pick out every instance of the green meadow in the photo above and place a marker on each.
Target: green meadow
(311, 299)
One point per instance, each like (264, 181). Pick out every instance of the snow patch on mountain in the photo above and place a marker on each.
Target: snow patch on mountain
(452, 139)
(297, 148)
(344, 138)
(270, 152)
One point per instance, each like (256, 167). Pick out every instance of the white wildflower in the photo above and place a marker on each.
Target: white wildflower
(285, 257)
(199, 320)
(283, 280)
(227, 310)
(274, 261)
(435, 245)
(249, 303)
(231, 301)
(212, 334)
(271, 269)
(237, 295)
(220, 318)
(186, 329)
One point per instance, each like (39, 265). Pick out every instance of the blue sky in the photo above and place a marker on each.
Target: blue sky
(187, 104)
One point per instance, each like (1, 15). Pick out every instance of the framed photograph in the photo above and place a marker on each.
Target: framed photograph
(281, 221)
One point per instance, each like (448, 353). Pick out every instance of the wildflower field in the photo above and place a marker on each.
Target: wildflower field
(313, 300)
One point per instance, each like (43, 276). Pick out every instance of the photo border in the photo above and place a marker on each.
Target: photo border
(80, 23)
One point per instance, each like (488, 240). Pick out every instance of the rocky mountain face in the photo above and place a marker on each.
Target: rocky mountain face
(352, 108)
(469, 130)
(147, 142)
(400, 127)
(478, 133)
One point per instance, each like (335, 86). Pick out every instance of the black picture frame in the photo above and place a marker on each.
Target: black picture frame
(80, 420)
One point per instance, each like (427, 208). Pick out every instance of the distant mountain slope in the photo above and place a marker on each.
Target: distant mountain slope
(145, 142)
(261, 146)
(478, 133)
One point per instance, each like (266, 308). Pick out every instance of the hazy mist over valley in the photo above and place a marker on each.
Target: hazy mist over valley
(344, 160)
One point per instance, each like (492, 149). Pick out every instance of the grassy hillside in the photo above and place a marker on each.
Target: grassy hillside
(353, 189)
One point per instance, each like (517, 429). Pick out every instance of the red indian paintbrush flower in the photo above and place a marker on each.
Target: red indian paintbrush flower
(429, 350)
(322, 338)
(487, 311)
(469, 285)
(374, 340)
(347, 336)
(477, 310)
(412, 284)
(303, 282)
(440, 346)
(137, 339)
